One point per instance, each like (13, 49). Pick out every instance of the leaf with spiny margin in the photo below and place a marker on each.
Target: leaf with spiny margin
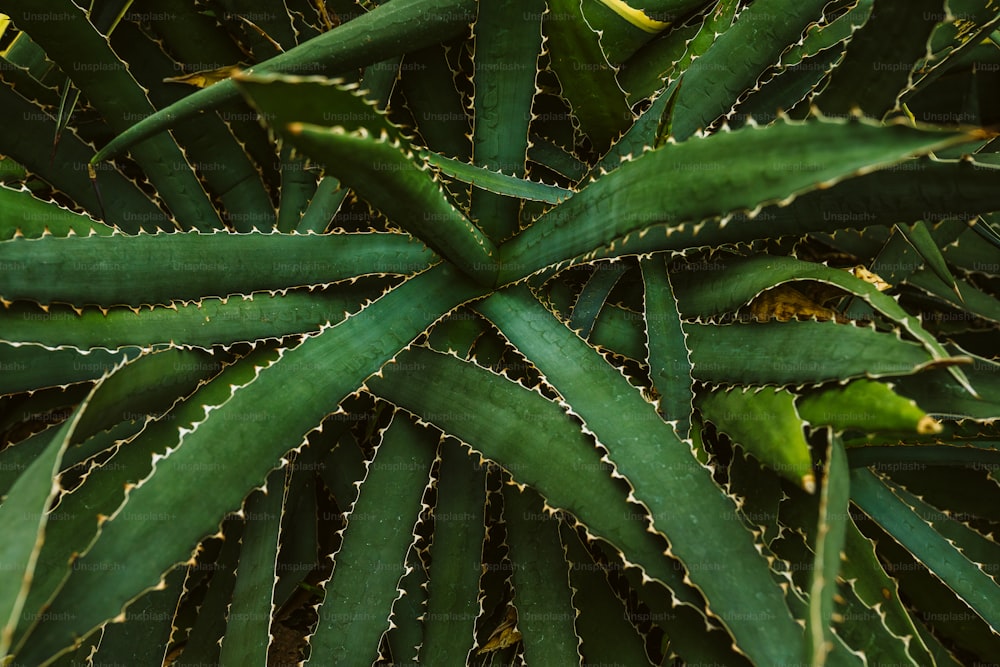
(863, 572)
(407, 632)
(508, 40)
(690, 633)
(457, 333)
(731, 66)
(745, 278)
(786, 89)
(985, 226)
(780, 353)
(248, 620)
(803, 68)
(880, 57)
(921, 189)
(30, 367)
(146, 386)
(160, 268)
(133, 210)
(624, 27)
(669, 357)
(586, 78)
(942, 396)
(898, 455)
(456, 557)
(439, 115)
(681, 184)
(389, 29)
(372, 559)
(298, 185)
(298, 536)
(263, 30)
(202, 323)
(920, 238)
(594, 295)
(347, 470)
(961, 28)
(17, 457)
(760, 492)
(283, 98)
(832, 520)
(663, 473)
(601, 621)
(880, 500)
(497, 183)
(945, 615)
(23, 214)
(957, 490)
(104, 490)
(392, 178)
(978, 547)
(828, 34)
(766, 423)
(64, 33)
(542, 593)
(145, 633)
(646, 71)
(225, 156)
(716, 22)
(204, 641)
(554, 157)
(324, 205)
(865, 405)
(442, 389)
(894, 261)
(23, 518)
(973, 301)
(331, 364)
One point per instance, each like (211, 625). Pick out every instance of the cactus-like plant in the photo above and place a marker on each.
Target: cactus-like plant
(492, 332)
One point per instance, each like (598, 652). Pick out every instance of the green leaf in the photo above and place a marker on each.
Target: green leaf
(880, 58)
(669, 357)
(456, 553)
(249, 614)
(390, 29)
(165, 267)
(64, 32)
(681, 184)
(766, 423)
(863, 572)
(373, 557)
(602, 623)
(921, 189)
(389, 177)
(920, 238)
(204, 323)
(23, 518)
(331, 364)
(713, 83)
(508, 39)
(542, 594)
(747, 277)
(900, 519)
(866, 405)
(31, 367)
(443, 390)
(784, 353)
(586, 78)
(830, 532)
(594, 295)
(663, 472)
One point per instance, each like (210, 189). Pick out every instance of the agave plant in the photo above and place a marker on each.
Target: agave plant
(455, 332)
